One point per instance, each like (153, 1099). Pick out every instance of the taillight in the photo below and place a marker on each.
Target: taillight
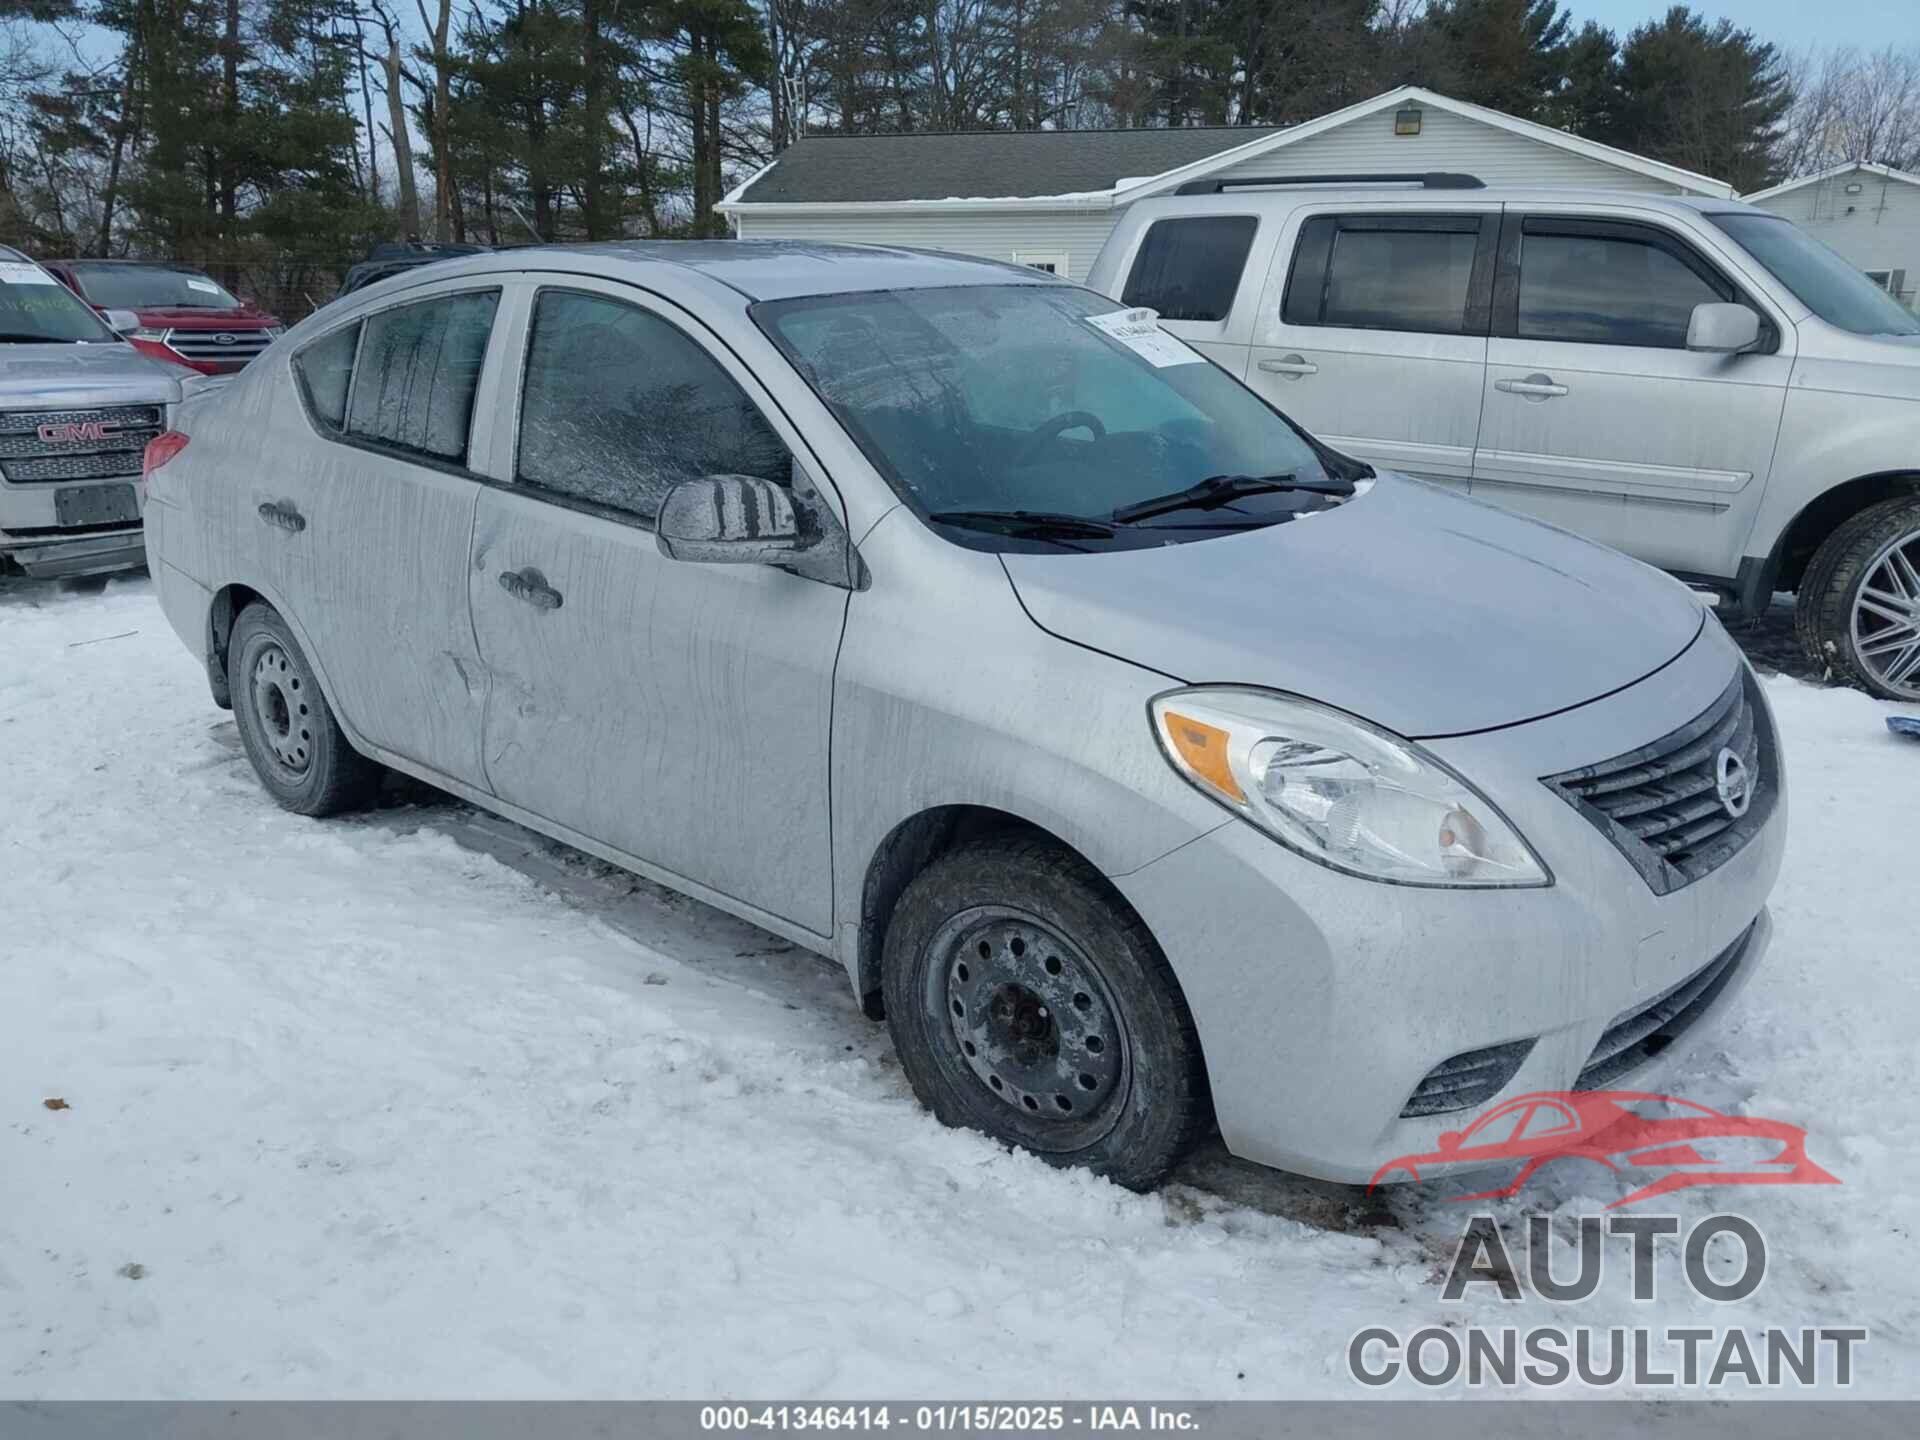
(162, 448)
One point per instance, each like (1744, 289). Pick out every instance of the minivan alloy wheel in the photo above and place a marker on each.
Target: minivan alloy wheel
(1032, 1019)
(1886, 617)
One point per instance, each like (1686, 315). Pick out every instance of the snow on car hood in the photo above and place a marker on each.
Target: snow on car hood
(1422, 611)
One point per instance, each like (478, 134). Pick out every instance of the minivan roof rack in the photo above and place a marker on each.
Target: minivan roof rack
(1425, 179)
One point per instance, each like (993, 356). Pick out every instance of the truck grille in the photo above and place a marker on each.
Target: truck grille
(1637, 1036)
(1660, 805)
(27, 459)
(206, 346)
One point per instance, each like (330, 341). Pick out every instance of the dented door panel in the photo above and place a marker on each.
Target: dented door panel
(676, 712)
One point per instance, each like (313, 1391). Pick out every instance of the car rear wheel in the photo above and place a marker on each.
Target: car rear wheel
(1027, 1001)
(1858, 612)
(286, 726)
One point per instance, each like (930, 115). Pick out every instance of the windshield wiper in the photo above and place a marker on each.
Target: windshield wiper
(1217, 490)
(1027, 524)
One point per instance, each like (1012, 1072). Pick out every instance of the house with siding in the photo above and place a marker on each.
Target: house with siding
(1869, 213)
(1048, 198)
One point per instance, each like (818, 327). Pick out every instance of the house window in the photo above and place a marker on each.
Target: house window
(1054, 262)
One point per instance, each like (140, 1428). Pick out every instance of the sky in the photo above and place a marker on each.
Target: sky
(1790, 24)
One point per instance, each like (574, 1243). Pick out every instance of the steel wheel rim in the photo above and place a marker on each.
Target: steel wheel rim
(1034, 1027)
(1886, 617)
(280, 709)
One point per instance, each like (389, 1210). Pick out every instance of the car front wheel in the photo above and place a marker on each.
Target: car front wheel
(1859, 605)
(286, 726)
(1027, 1001)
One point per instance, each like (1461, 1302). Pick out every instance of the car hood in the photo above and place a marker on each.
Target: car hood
(71, 377)
(190, 318)
(1425, 612)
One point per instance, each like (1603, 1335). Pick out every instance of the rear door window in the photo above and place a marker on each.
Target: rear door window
(1422, 273)
(620, 405)
(418, 368)
(1189, 269)
(1599, 284)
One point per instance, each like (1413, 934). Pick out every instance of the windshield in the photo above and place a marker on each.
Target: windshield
(37, 309)
(1008, 403)
(1825, 283)
(151, 287)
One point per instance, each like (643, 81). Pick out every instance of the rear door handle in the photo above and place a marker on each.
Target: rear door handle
(531, 586)
(1294, 365)
(283, 515)
(1534, 387)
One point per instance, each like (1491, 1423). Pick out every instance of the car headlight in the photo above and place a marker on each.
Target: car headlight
(274, 332)
(1342, 792)
(146, 332)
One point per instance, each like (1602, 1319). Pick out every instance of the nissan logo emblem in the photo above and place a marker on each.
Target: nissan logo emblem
(1733, 783)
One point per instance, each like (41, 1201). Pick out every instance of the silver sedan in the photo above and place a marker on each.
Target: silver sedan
(1148, 764)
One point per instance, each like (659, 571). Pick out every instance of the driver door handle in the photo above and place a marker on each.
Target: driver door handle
(531, 586)
(1539, 387)
(1294, 365)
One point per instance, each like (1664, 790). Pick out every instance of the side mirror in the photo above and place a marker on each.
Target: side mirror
(121, 322)
(729, 520)
(1723, 329)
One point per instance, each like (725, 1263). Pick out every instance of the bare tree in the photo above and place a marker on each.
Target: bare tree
(1852, 107)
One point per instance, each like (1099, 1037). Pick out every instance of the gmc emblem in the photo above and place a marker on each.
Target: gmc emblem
(73, 433)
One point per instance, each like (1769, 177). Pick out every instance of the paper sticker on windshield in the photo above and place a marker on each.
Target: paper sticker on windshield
(206, 285)
(15, 273)
(1140, 332)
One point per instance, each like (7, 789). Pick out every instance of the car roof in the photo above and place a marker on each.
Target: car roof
(762, 269)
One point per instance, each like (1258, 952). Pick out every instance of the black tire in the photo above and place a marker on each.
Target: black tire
(1040, 957)
(286, 725)
(1824, 610)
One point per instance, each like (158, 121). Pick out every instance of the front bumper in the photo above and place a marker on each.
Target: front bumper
(1323, 1000)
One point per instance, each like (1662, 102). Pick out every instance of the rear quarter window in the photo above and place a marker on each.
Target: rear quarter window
(1189, 269)
(417, 371)
(324, 371)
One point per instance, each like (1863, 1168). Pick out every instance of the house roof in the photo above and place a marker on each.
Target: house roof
(1860, 167)
(980, 164)
(1096, 169)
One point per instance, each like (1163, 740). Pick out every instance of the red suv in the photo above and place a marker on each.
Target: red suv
(184, 315)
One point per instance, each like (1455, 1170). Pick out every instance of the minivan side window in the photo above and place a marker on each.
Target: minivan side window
(620, 405)
(1188, 269)
(1618, 287)
(418, 369)
(325, 370)
(1420, 273)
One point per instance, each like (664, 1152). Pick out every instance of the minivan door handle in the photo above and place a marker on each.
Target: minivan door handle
(1292, 366)
(283, 515)
(1534, 387)
(531, 586)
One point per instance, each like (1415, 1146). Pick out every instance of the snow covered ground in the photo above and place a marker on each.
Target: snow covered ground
(418, 1105)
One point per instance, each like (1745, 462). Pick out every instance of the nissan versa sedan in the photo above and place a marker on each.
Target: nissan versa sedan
(1148, 764)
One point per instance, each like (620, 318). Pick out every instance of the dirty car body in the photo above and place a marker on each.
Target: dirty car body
(510, 590)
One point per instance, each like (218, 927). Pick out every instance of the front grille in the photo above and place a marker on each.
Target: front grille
(1660, 805)
(1642, 1033)
(1467, 1081)
(239, 347)
(26, 459)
